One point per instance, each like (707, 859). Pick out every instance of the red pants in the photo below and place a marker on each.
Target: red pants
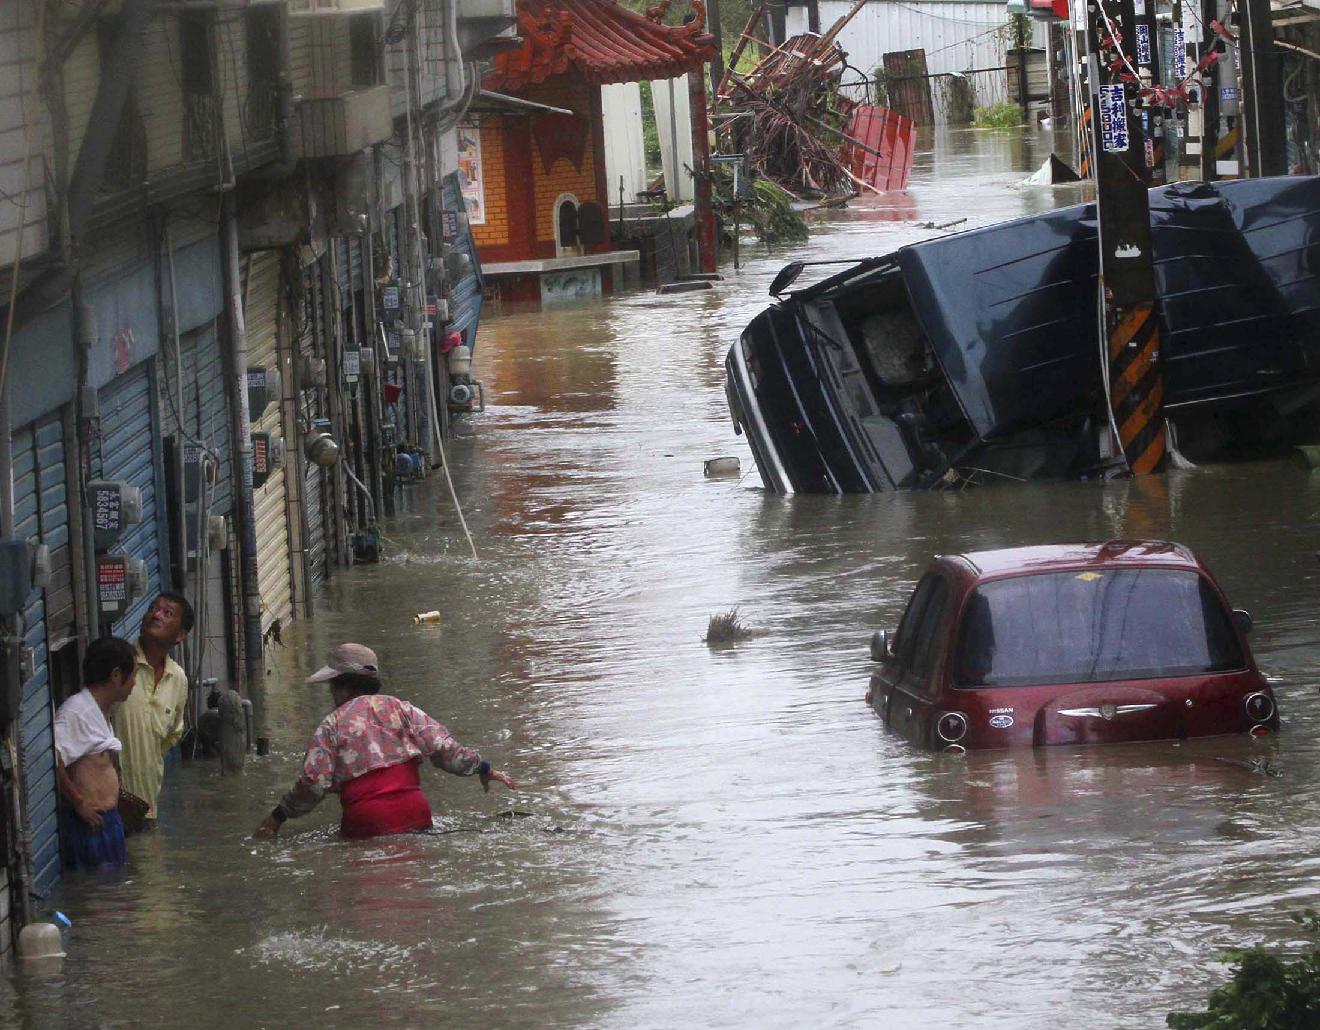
(384, 801)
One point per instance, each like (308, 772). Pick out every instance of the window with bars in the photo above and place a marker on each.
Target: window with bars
(364, 49)
(261, 106)
(126, 166)
(197, 80)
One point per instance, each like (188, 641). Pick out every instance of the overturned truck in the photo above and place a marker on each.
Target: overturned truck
(977, 356)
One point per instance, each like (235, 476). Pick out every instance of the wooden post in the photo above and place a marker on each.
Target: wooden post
(1131, 349)
(701, 200)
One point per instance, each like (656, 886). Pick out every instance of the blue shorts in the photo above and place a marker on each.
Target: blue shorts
(85, 848)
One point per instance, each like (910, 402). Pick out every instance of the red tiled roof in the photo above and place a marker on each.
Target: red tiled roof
(601, 40)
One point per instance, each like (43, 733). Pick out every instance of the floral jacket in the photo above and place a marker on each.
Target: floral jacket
(370, 732)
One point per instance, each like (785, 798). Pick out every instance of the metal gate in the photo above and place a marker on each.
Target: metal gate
(261, 285)
(128, 450)
(41, 512)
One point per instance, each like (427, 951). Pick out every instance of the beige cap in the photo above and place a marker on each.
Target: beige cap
(347, 658)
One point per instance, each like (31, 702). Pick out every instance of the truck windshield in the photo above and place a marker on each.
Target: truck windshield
(1094, 625)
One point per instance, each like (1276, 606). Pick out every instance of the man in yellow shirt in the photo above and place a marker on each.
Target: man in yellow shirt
(150, 722)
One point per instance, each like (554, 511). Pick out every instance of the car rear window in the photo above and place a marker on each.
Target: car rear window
(1094, 625)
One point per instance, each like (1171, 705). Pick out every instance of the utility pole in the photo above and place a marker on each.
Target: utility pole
(1262, 92)
(702, 207)
(1210, 96)
(1131, 348)
(1145, 47)
(716, 29)
(241, 435)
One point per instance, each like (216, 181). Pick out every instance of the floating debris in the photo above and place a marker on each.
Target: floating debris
(795, 128)
(727, 628)
(727, 466)
(1259, 766)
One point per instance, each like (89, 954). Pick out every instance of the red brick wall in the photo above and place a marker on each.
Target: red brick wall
(525, 227)
(493, 174)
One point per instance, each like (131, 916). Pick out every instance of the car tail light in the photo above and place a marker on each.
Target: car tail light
(1259, 706)
(951, 727)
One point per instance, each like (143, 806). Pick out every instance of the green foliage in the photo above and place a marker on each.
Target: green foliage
(1021, 26)
(1002, 115)
(773, 216)
(762, 206)
(880, 78)
(1266, 992)
(650, 134)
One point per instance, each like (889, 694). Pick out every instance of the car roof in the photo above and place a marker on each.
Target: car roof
(1069, 556)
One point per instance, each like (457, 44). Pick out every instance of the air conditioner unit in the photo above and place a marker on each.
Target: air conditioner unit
(473, 9)
(335, 6)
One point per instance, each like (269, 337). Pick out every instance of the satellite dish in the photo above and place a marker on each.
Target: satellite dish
(786, 277)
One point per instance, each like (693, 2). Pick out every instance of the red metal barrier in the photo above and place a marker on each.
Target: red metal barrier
(884, 158)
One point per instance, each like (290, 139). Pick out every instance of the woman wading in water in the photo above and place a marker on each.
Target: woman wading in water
(369, 750)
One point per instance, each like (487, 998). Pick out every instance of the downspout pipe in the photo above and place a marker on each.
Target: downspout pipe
(236, 353)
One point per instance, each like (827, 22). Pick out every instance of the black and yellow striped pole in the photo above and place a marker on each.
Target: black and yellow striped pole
(1127, 277)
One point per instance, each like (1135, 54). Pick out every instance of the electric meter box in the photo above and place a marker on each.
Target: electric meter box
(24, 566)
(263, 389)
(198, 468)
(115, 506)
(120, 580)
(267, 456)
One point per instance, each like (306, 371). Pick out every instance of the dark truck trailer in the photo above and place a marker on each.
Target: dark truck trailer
(977, 356)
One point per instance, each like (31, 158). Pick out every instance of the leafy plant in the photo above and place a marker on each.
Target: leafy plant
(764, 207)
(1266, 992)
(1001, 115)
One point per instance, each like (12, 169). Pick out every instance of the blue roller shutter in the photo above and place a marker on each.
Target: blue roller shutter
(205, 404)
(41, 513)
(465, 293)
(128, 451)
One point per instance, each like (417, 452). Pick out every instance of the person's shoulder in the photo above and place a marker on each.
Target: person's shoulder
(76, 704)
(173, 668)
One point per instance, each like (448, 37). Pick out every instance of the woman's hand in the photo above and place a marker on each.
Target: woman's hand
(267, 830)
(495, 774)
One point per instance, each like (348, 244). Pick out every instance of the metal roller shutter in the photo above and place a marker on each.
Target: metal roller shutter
(260, 304)
(312, 345)
(41, 512)
(130, 433)
(342, 269)
(354, 245)
(205, 403)
(465, 294)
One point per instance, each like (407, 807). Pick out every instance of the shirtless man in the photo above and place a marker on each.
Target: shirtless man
(86, 757)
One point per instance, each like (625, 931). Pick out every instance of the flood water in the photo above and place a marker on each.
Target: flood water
(717, 838)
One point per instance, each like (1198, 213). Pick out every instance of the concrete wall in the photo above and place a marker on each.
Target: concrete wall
(22, 133)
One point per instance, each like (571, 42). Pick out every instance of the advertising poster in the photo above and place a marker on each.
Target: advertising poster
(469, 173)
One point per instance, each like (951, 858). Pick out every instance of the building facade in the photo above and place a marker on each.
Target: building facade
(227, 239)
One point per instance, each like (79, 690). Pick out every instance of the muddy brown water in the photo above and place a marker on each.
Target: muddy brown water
(717, 838)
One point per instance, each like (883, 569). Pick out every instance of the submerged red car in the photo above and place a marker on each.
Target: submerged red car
(1069, 644)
